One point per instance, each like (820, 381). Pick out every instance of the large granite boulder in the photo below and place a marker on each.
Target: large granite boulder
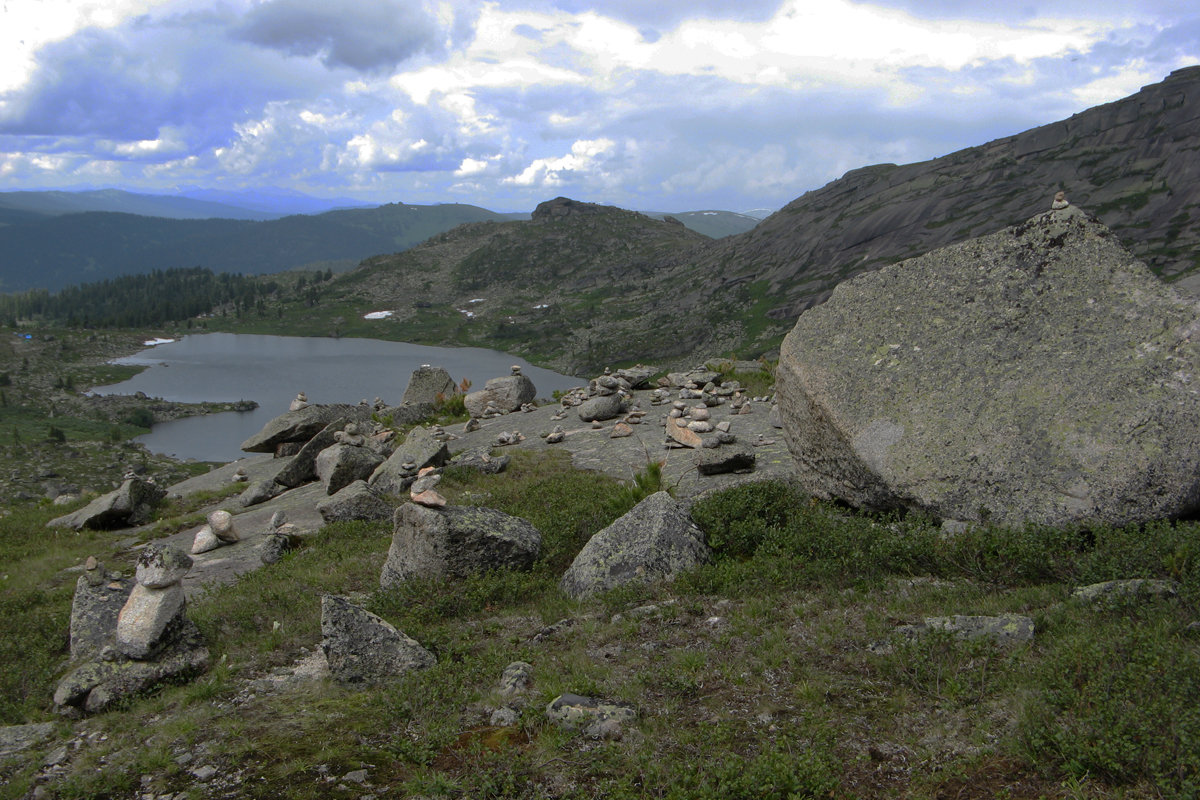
(429, 384)
(656, 540)
(302, 424)
(1039, 374)
(506, 394)
(457, 541)
(132, 504)
(364, 649)
(420, 450)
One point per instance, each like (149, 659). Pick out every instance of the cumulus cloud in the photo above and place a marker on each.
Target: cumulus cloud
(585, 160)
(380, 34)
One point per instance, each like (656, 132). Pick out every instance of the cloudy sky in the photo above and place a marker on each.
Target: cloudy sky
(668, 105)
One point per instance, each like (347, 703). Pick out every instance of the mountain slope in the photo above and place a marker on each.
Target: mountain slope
(1134, 163)
(574, 287)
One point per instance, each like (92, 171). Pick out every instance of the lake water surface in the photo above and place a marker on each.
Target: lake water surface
(224, 367)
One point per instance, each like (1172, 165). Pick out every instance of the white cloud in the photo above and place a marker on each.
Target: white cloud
(550, 172)
(27, 25)
(1114, 86)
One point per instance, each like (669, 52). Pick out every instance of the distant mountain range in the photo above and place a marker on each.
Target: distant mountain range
(190, 204)
(55, 239)
(579, 285)
(52, 252)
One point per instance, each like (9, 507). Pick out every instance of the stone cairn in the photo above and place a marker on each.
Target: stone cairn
(150, 641)
(217, 532)
(300, 402)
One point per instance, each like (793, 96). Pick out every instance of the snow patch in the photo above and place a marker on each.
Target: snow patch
(541, 306)
(378, 315)
(153, 342)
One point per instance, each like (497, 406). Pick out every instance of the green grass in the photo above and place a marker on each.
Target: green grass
(762, 666)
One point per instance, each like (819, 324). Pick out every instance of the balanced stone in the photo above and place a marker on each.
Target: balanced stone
(160, 566)
(221, 523)
(146, 619)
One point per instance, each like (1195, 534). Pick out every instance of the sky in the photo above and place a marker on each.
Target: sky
(659, 105)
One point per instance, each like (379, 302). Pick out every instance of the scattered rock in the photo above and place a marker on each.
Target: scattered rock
(206, 540)
(1005, 628)
(506, 394)
(221, 523)
(19, 738)
(343, 464)
(596, 719)
(601, 407)
(481, 459)
(516, 679)
(420, 449)
(303, 424)
(429, 385)
(99, 597)
(725, 459)
(1136, 587)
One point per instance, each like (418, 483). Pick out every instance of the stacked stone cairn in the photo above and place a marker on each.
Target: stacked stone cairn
(149, 640)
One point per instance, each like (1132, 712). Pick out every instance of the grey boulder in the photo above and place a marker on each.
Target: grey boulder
(132, 504)
(1037, 375)
(302, 424)
(601, 407)
(98, 600)
(507, 394)
(358, 501)
(457, 541)
(656, 540)
(364, 649)
(341, 465)
(99, 685)
(428, 385)
(397, 473)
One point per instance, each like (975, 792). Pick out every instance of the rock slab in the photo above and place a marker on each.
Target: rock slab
(1040, 374)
